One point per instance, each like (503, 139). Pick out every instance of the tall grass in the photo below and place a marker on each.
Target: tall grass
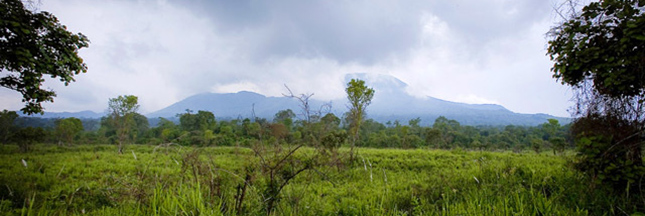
(93, 179)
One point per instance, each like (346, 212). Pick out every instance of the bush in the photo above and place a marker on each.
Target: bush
(609, 150)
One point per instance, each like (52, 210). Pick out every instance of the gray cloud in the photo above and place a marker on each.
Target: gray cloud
(364, 31)
(165, 50)
(347, 31)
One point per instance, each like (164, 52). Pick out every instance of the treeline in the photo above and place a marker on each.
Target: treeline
(202, 129)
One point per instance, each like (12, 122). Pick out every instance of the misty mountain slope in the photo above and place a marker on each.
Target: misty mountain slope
(390, 103)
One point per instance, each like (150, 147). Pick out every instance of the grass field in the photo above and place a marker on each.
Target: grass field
(150, 180)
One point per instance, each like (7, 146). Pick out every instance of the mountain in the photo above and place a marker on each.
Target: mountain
(390, 103)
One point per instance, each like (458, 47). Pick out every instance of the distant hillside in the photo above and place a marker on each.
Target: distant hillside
(390, 103)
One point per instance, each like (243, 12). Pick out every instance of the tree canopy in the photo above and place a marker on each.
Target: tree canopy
(202, 120)
(600, 53)
(33, 45)
(604, 44)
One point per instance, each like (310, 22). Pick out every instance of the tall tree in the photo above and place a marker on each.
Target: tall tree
(122, 110)
(359, 96)
(33, 45)
(67, 129)
(600, 53)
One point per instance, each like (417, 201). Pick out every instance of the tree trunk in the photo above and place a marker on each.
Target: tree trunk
(351, 151)
(120, 146)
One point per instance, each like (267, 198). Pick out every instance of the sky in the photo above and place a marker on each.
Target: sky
(471, 51)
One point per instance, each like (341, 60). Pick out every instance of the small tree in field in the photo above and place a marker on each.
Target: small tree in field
(122, 110)
(359, 96)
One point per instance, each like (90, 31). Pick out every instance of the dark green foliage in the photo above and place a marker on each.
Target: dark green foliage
(600, 52)
(140, 128)
(433, 137)
(252, 129)
(447, 134)
(25, 137)
(7, 125)
(23, 122)
(330, 122)
(67, 129)
(33, 45)
(537, 145)
(166, 130)
(610, 151)
(332, 141)
(202, 120)
(605, 42)
(285, 117)
(558, 144)
(226, 137)
(25, 182)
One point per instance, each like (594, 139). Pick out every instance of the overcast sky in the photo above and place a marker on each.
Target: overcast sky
(472, 51)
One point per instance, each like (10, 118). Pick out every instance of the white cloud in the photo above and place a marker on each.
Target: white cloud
(473, 99)
(236, 87)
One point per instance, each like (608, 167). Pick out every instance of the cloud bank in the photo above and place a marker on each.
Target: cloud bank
(163, 51)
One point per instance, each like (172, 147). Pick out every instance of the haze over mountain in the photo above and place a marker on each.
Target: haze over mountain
(391, 102)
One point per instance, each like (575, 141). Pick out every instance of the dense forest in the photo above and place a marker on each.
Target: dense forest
(202, 129)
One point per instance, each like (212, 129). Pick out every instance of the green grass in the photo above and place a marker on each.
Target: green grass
(94, 179)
